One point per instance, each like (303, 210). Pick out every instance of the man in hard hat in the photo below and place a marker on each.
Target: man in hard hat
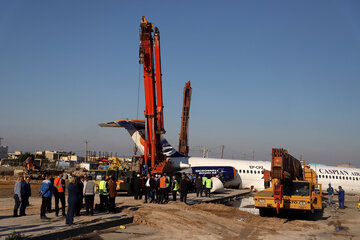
(330, 192)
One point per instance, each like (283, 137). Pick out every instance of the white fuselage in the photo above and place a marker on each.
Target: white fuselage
(249, 173)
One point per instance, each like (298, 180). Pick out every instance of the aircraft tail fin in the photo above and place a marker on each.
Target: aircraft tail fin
(136, 129)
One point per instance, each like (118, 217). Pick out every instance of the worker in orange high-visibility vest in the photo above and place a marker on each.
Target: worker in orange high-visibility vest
(59, 194)
(163, 188)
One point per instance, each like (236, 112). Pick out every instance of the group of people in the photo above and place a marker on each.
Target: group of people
(157, 188)
(341, 194)
(78, 189)
(22, 192)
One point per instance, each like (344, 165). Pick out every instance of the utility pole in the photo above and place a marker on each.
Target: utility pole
(205, 152)
(222, 151)
(86, 152)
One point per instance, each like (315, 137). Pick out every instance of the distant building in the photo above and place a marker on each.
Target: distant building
(54, 156)
(40, 153)
(14, 155)
(72, 158)
(3, 152)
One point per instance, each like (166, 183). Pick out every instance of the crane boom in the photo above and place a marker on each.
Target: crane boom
(183, 139)
(149, 54)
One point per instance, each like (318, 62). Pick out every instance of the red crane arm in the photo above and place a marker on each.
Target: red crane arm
(147, 59)
(160, 107)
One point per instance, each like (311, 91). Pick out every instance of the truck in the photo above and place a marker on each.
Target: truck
(293, 187)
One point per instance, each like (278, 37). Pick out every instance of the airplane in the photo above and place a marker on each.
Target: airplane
(246, 174)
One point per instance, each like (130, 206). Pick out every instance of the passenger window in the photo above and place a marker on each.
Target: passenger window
(243, 171)
(259, 172)
(336, 177)
(247, 171)
(346, 178)
(251, 171)
(357, 179)
(326, 176)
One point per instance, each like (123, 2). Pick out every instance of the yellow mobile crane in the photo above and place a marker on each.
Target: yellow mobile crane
(293, 187)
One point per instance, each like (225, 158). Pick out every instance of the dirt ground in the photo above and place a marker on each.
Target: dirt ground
(210, 221)
(215, 221)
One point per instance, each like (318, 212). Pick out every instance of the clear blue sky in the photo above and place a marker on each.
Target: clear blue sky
(264, 74)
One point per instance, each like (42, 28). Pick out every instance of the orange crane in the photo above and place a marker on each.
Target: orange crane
(183, 139)
(149, 54)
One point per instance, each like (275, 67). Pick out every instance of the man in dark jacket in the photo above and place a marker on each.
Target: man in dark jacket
(150, 187)
(137, 187)
(198, 186)
(80, 186)
(73, 198)
(112, 194)
(26, 192)
(184, 188)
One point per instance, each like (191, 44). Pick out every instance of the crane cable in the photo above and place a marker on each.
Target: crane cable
(138, 106)
(138, 94)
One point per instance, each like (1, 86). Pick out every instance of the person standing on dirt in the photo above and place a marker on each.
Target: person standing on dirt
(53, 192)
(174, 188)
(147, 188)
(18, 195)
(168, 188)
(112, 194)
(73, 199)
(163, 188)
(341, 193)
(137, 187)
(28, 190)
(198, 186)
(46, 194)
(89, 192)
(80, 186)
(59, 194)
(208, 186)
(104, 195)
(25, 189)
(156, 190)
(184, 188)
(203, 184)
(330, 192)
